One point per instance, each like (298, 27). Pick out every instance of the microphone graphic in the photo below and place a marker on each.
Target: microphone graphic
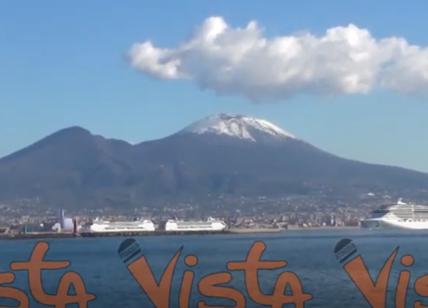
(373, 290)
(344, 250)
(158, 291)
(129, 251)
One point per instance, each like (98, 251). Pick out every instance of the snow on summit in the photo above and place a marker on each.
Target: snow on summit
(238, 126)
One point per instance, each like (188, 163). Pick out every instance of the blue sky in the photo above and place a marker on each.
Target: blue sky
(64, 64)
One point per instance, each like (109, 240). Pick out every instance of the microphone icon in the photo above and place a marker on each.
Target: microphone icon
(344, 250)
(129, 251)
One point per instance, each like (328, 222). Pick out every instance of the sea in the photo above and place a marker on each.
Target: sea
(309, 255)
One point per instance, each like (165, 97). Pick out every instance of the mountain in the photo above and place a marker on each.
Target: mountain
(222, 155)
(240, 127)
(67, 167)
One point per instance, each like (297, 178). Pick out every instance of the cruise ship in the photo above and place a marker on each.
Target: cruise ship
(103, 226)
(209, 225)
(399, 215)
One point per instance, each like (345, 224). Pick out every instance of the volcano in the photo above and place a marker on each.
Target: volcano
(222, 155)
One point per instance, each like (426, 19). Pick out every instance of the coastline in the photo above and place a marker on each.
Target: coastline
(231, 231)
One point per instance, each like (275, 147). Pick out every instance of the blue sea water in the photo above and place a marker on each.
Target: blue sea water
(309, 253)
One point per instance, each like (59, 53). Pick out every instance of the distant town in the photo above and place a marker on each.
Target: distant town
(262, 213)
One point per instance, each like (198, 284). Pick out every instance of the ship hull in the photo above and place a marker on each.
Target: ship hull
(151, 233)
(384, 224)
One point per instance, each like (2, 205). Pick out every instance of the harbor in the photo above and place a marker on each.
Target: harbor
(57, 235)
(66, 227)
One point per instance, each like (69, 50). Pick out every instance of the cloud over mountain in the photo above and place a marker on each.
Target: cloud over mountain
(243, 61)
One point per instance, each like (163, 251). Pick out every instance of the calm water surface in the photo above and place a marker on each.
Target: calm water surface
(309, 254)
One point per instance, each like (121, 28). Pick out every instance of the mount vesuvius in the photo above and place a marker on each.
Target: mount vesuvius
(222, 155)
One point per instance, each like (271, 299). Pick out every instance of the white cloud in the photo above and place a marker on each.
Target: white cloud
(242, 61)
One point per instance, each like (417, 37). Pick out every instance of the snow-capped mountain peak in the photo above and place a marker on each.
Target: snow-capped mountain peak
(237, 126)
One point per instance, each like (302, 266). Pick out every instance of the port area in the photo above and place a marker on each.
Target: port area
(36, 235)
(255, 230)
(54, 235)
(160, 232)
(150, 233)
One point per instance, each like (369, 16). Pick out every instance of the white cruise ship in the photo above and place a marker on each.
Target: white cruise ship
(102, 226)
(400, 215)
(209, 225)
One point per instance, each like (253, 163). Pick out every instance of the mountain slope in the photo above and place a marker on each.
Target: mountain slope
(225, 165)
(66, 167)
(221, 155)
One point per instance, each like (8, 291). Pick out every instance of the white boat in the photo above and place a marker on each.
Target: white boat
(209, 225)
(103, 226)
(399, 215)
